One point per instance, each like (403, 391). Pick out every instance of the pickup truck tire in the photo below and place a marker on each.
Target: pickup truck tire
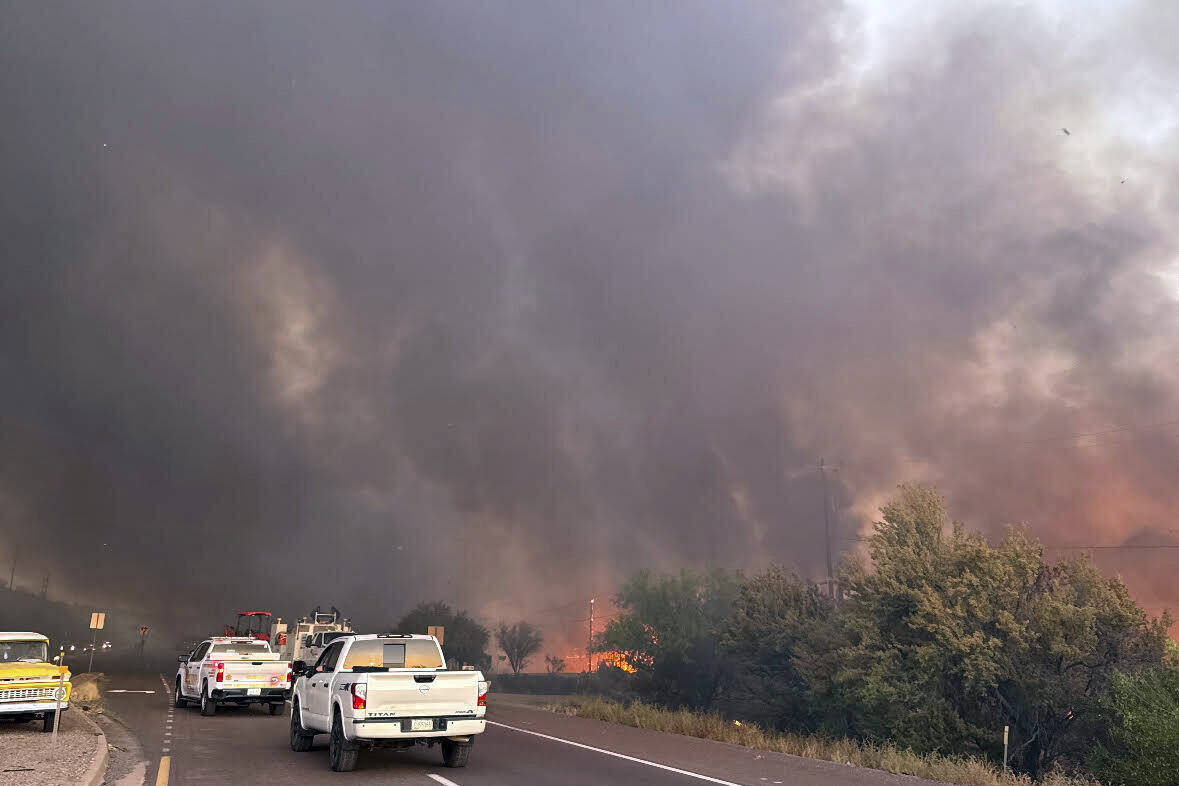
(208, 706)
(275, 708)
(341, 753)
(179, 700)
(301, 739)
(455, 754)
(50, 721)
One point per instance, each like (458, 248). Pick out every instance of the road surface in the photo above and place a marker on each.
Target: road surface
(522, 747)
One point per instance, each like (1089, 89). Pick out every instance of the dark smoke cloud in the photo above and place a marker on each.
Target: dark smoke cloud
(499, 302)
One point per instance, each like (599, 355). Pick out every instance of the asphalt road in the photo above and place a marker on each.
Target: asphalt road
(524, 747)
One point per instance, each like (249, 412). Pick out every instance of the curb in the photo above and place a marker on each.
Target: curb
(96, 773)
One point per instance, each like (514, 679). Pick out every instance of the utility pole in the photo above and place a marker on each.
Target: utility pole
(827, 530)
(45, 586)
(589, 648)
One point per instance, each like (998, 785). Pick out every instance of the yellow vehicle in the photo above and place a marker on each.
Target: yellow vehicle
(30, 683)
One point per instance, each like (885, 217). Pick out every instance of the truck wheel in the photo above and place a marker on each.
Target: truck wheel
(455, 754)
(50, 721)
(178, 700)
(301, 739)
(274, 708)
(208, 706)
(341, 753)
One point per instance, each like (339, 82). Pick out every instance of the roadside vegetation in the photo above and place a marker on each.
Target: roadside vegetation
(712, 726)
(937, 642)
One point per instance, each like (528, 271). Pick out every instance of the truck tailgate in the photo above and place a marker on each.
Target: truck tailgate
(409, 694)
(253, 674)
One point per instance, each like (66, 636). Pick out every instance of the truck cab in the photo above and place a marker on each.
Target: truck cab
(31, 685)
(386, 690)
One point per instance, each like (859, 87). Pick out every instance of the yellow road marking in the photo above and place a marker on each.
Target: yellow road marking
(162, 775)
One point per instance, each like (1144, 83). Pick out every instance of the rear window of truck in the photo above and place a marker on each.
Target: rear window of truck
(247, 649)
(380, 654)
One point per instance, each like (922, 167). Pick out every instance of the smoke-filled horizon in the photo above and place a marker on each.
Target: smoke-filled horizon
(362, 305)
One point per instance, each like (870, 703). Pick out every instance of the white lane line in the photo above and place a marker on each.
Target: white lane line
(623, 756)
(130, 691)
(443, 781)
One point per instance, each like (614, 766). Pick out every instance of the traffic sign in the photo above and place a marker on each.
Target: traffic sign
(97, 620)
(143, 629)
(435, 631)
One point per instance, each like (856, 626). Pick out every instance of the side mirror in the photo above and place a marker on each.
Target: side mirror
(298, 668)
(182, 658)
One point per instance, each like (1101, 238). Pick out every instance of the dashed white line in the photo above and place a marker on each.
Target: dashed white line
(623, 756)
(443, 781)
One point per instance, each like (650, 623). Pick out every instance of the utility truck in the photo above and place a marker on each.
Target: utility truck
(387, 691)
(238, 670)
(304, 640)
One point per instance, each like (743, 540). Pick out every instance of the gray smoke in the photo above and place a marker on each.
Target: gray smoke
(497, 302)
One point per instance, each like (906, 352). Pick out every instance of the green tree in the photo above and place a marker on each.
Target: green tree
(669, 632)
(1142, 746)
(778, 638)
(519, 643)
(950, 639)
(1171, 659)
(554, 664)
(464, 640)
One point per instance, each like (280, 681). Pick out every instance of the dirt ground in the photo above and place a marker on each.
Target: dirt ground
(27, 758)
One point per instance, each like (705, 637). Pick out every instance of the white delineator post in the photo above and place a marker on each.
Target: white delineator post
(1005, 729)
(58, 695)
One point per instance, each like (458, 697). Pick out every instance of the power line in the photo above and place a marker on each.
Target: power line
(1095, 438)
(1063, 547)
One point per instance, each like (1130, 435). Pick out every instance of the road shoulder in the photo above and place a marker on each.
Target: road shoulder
(95, 774)
(717, 760)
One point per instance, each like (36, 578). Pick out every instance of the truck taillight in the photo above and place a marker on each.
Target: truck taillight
(289, 667)
(221, 672)
(483, 687)
(359, 695)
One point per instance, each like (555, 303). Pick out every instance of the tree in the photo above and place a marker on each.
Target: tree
(669, 632)
(464, 640)
(779, 635)
(1171, 659)
(950, 639)
(1140, 747)
(519, 643)
(554, 664)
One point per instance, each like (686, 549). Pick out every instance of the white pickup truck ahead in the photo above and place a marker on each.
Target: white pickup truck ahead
(386, 690)
(233, 670)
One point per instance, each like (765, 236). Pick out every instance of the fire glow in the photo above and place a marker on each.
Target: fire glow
(617, 660)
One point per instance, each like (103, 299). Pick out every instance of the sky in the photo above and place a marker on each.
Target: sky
(496, 302)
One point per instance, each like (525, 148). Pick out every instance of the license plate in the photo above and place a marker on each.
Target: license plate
(421, 724)
(253, 691)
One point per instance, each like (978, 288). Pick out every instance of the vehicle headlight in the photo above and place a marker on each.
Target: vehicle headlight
(59, 693)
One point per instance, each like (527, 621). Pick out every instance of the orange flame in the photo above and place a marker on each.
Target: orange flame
(617, 660)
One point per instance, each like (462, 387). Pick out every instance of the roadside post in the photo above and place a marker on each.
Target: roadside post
(97, 621)
(143, 630)
(1005, 730)
(58, 695)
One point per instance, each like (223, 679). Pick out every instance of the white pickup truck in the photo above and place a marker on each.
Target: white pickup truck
(386, 690)
(233, 670)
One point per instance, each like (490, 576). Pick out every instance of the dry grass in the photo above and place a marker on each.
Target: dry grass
(710, 726)
(86, 687)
